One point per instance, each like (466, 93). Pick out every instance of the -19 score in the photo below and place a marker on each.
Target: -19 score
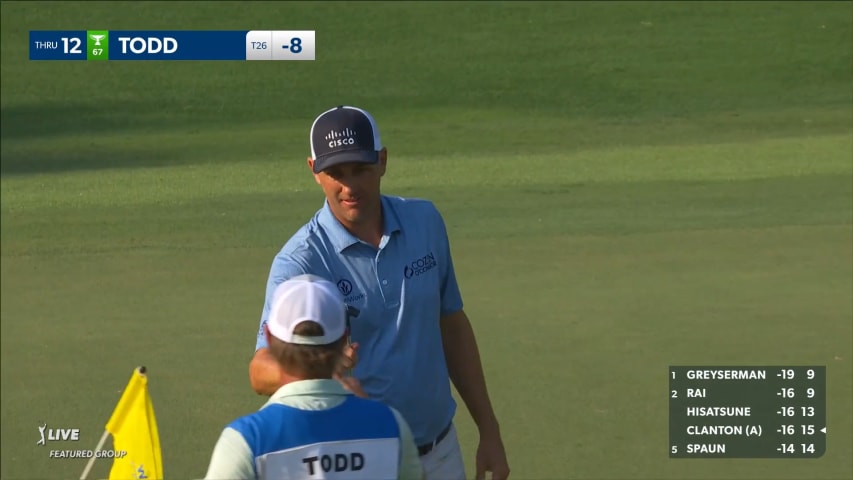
(788, 374)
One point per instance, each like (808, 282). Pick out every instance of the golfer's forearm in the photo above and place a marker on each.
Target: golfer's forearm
(471, 385)
(264, 373)
(466, 372)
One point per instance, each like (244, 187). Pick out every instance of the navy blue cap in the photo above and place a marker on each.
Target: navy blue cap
(344, 134)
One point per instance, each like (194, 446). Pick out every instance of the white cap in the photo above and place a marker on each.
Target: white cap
(307, 297)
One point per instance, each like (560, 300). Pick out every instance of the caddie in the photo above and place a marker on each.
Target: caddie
(312, 427)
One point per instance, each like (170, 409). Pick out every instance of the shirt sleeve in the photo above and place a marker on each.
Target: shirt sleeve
(451, 298)
(283, 268)
(232, 458)
(410, 462)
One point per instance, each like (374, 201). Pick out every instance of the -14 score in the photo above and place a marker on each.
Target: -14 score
(790, 448)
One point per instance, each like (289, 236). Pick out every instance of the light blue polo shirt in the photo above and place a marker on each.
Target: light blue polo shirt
(402, 289)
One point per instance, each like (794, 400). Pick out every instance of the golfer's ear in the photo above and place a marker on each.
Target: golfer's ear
(311, 167)
(383, 160)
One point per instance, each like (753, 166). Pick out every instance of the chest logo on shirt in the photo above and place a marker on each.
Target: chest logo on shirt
(420, 266)
(345, 286)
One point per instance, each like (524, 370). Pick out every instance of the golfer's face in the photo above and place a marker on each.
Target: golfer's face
(352, 190)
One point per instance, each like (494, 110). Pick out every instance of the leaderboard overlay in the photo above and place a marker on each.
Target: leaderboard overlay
(102, 45)
(747, 412)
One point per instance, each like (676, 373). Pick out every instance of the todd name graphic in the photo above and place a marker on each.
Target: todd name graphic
(71, 435)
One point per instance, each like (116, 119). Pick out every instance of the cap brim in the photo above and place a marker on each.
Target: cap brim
(354, 156)
(327, 339)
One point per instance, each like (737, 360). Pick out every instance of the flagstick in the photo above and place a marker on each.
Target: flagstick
(94, 455)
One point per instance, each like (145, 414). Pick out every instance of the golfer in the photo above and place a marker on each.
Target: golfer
(390, 259)
(312, 427)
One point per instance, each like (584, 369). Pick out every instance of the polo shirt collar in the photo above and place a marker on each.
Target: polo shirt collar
(389, 215)
(321, 387)
(341, 238)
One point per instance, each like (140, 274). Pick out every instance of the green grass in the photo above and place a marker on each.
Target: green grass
(627, 186)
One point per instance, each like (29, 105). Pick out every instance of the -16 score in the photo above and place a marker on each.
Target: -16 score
(791, 429)
(790, 393)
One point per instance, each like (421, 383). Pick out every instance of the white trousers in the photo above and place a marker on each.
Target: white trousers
(444, 461)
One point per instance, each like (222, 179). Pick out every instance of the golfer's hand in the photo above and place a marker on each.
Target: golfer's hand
(351, 384)
(491, 457)
(349, 358)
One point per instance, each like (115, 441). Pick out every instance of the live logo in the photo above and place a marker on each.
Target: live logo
(62, 434)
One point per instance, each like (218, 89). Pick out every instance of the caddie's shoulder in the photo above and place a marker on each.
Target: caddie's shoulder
(246, 423)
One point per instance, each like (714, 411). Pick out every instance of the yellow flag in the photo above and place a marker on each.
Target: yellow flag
(134, 430)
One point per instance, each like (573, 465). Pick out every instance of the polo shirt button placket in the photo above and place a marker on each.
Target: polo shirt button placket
(390, 301)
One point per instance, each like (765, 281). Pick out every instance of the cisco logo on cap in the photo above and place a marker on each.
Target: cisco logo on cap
(341, 138)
